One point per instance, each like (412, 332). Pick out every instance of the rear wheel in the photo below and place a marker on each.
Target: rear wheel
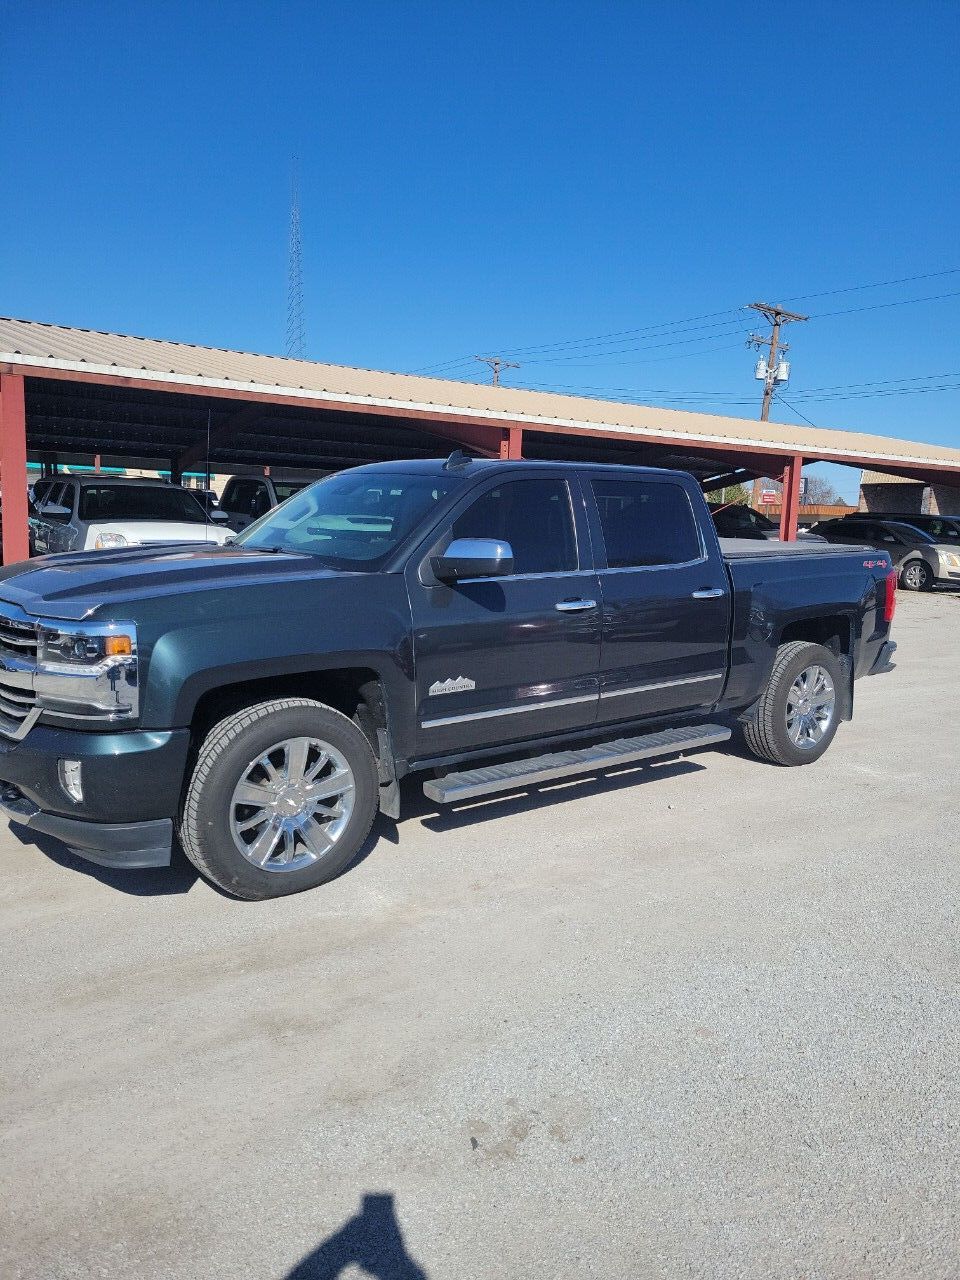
(916, 575)
(282, 797)
(798, 714)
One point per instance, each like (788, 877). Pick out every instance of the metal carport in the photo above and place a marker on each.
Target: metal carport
(67, 394)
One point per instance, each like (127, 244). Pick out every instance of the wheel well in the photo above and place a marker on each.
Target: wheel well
(832, 632)
(354, 691)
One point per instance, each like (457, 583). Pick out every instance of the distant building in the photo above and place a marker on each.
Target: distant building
(880, 492)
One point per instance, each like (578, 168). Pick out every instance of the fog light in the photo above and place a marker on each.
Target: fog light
(71, 779)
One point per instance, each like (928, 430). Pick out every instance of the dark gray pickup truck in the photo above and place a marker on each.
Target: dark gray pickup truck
(488, 624)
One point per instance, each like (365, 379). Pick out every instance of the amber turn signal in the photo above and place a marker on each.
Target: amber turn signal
(115, 646)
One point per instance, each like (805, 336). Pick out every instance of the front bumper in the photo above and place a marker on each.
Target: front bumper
(131, 791)
(131, 845)
(883, 661)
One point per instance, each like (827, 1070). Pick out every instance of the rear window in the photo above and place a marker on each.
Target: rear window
(139, 502)
(646, 522)
(285, 489)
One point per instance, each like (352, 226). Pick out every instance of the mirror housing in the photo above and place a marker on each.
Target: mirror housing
(474, 558)
(219, 516)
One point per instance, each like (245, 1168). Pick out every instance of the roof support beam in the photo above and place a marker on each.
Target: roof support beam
(790, 510)
(511, 443)
(13, 468)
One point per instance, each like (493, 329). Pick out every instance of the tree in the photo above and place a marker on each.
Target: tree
(735, 495)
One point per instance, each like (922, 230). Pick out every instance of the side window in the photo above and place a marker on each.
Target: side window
(534, 516)
(59, 495)
(646, 522)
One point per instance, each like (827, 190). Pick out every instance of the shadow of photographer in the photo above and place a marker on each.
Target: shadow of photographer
(371, 1239)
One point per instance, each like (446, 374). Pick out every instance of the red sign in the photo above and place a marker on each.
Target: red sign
(769, 497)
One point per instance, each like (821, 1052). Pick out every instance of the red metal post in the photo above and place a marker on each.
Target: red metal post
(13, 468)
(511, 443)
(790, 510)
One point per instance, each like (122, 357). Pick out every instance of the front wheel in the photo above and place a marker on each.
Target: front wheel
(798, 713)
(282, 796)
(916, 575)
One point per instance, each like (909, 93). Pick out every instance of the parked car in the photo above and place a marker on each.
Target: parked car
(943, 529)
(737, 521)
(498, 623)
(247, 498)
(97, 513)
(922, 559)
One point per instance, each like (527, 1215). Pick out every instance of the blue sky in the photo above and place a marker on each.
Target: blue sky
(503, 177)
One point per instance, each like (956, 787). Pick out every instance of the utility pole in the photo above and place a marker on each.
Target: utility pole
(496, 363)
(771, 371)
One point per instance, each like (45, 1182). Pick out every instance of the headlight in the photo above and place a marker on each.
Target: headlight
(88, 670)
(950, 558)
(106, 540)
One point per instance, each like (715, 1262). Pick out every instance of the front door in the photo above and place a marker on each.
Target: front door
(666, 599)
(509, 658)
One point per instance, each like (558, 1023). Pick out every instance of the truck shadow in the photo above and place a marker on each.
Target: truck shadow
(440, 818)
(179, 877)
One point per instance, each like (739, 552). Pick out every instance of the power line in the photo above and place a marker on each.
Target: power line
(599, 338)
(879, 284)
(796, 411)
(663, 328)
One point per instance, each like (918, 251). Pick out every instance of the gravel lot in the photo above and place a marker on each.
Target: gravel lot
(696, 1020)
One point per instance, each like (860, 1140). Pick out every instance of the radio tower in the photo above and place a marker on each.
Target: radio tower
(296, 337)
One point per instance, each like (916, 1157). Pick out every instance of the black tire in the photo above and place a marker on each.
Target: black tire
(766, 732)
(225, 757)
(916, 575)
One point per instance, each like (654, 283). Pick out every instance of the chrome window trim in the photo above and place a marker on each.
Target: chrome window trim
(508, 711)
(660, 684)
(655, 568)
(527, 577)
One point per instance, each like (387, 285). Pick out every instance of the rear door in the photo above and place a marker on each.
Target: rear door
(516, 657)
(665, 595)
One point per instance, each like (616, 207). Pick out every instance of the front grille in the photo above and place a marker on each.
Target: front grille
(16, 703)
(18, 665)
(18, 639)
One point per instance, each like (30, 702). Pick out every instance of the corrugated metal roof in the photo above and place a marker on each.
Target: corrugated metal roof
(29, 343)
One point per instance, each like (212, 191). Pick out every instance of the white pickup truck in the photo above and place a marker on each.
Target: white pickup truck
(100, 513)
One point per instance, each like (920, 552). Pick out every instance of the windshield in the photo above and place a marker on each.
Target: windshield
(353, 520)
(140, 502)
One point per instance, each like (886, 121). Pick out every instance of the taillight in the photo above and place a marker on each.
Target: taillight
(890, 596)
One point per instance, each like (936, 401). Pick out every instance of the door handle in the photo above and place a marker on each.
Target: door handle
(713, 594)
(574, 606)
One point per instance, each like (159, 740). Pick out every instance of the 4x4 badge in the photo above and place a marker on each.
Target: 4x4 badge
(462, 684)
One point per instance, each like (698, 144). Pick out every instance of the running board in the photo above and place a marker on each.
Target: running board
(560, 764)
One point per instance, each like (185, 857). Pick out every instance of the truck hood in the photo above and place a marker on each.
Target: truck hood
(77, 585)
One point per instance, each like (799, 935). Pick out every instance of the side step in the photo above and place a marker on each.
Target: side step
(486, 779)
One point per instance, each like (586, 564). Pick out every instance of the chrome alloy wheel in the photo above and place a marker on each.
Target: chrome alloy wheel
(292, 804)
(915, 575)
(811, 706)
